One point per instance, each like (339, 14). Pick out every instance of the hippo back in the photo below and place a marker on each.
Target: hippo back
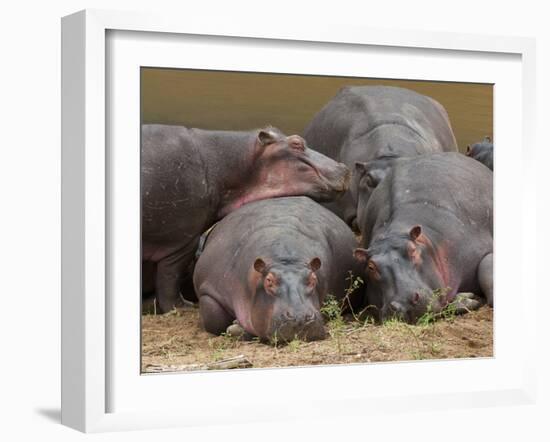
(442, 188)
(357, 111)
(365, 123)
(287, 229)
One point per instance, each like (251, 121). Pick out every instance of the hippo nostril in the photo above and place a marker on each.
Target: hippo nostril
(395, 307)
(288, 315)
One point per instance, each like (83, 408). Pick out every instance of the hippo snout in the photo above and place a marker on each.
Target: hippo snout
(304, 319)
(410, 314)
(397, 307)
(342, 178)
(307, 326)
(346, 180)
(339, 181)
(395, 310)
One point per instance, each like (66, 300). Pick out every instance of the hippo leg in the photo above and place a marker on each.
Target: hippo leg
(466, 302)
(236, 331)
(485, 277)
(170, 271)
(214, 318)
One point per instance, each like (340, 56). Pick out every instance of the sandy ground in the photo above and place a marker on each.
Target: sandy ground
(174, 342)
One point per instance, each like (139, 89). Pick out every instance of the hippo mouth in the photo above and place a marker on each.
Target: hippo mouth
(399, 316)
(313, 330)
(343, 185)
(333, 186)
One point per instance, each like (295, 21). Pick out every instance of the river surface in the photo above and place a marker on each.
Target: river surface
(244, 101)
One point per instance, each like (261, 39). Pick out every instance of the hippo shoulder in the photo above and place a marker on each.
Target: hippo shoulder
(162, 129)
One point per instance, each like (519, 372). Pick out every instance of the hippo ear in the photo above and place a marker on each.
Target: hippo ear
(415, 232)
(315, 264)
(372, 172)
(468, 150)
(259, 265)
(487, 138)
(361, 255)
(266, 137)
(374, 177)
(360, 167)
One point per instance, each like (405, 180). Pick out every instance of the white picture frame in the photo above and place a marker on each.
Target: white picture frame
(90, 320)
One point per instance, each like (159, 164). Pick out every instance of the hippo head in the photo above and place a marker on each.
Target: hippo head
(286, 166)
(286, 304)
(366, 176)
(475, 149)
(406, 275)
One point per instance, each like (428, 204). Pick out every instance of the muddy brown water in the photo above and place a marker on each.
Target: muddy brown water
(244, 101)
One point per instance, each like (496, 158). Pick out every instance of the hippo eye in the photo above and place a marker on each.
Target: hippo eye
(372, 269)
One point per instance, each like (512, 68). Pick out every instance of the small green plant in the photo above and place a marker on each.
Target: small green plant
(369, 320)
(431, 315)
(427, 318)
(274, 340)
(354, 283)
(331, 308)
(450, 311)
(332, 311)
(294, 345)
(393, 322)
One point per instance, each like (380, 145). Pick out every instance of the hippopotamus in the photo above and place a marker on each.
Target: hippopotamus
(190, 178)
(427, 236)
(270, 265)
(482, 152)
(363, 123)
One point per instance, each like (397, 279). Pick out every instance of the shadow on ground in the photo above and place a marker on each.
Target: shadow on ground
(51, 414)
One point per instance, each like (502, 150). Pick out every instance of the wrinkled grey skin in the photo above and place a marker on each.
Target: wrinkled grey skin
(482, 152)
(190, 178)
(363, 123)
(270, 266)
(427, 226)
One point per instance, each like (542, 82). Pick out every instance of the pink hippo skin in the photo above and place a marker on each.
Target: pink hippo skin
(190, 178)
